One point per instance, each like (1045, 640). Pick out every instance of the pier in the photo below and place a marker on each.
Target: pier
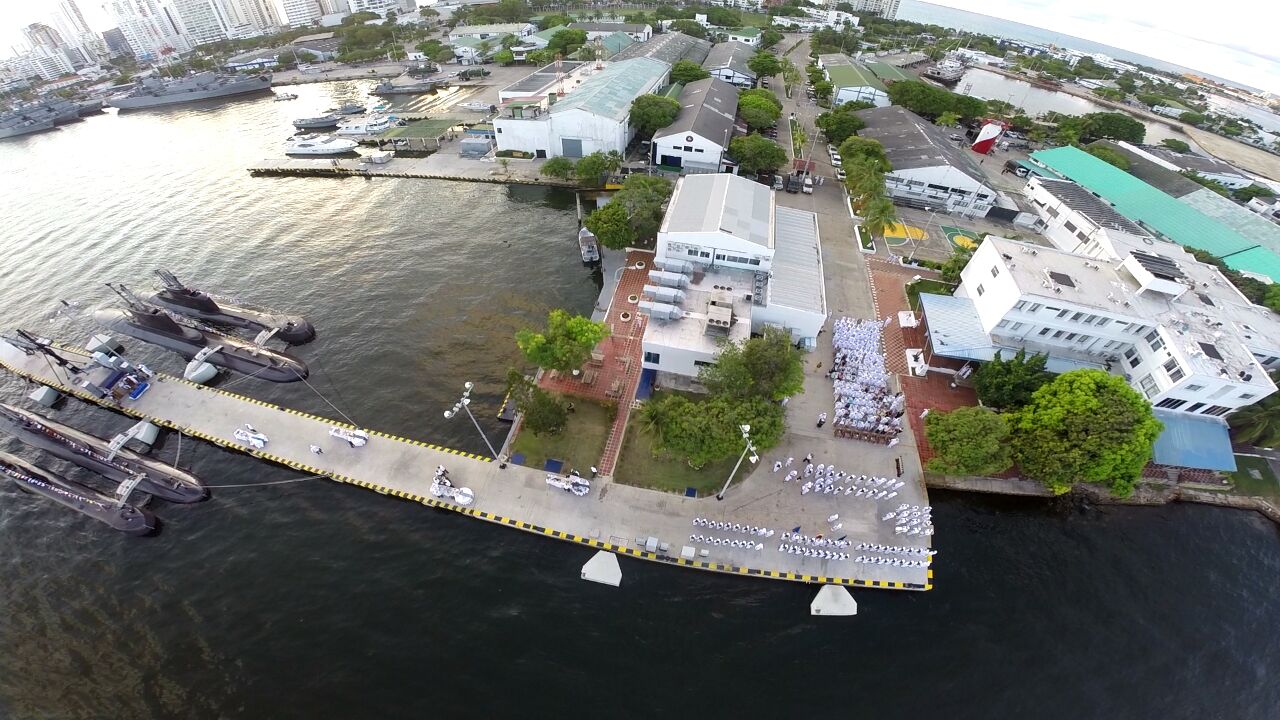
(399, 167)
(635, 522)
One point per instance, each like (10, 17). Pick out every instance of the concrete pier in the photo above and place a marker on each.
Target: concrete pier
(641, 523)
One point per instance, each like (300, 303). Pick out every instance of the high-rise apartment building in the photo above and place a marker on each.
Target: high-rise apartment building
(302, 12)
(150, 29)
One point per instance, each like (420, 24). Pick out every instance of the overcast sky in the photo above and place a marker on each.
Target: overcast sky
(1232, 39)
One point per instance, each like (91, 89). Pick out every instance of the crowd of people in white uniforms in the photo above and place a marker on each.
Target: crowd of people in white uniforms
(744, 543)
(827, 480)
(911, 519)
(864, 407)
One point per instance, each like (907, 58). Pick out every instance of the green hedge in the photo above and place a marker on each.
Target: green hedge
(518, 154)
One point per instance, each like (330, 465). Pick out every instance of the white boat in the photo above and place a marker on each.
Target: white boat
(476, 106)
(319, 145)
(367, 126)
(286, 96)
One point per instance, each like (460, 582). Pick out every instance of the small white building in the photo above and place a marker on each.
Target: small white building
(732, 263)
(929, 169)
(1206, 167)
(1177, 331)
(492, 32)
(697, 140)
(253, 60)
(851, 81)
(596, 30)
(588, 112)
(746, 35)
(728, 61)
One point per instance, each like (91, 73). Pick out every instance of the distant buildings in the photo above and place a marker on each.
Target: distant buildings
(732, 263)
(382, 7)
(929, 169)
(152, 30)
(595, 30)
(492, 32)
(699, 137)
(116, 43)
(668, 48)
(747, 36)
(887, 9)
(1208, 168)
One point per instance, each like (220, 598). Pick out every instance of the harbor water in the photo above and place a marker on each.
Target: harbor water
(312, 599)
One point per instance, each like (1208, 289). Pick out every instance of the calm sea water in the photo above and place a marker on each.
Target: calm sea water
(316, 600)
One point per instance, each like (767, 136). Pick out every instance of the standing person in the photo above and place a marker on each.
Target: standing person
(822, 419)
(317, 449)
(777, 465)
(788, 462)
(808, 459)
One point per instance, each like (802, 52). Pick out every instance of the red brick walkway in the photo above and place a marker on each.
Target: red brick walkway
(615, 377)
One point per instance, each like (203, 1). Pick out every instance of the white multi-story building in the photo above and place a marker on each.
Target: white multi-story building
(746, 35)
(1177, 330)
(887, 9)
(298, 13)
(151, 29)
(1077, 221)
(732, 263)
(382, 7)
(49, 63)
(492, 32)
(596, 30)
(205, 21)
(261, 15)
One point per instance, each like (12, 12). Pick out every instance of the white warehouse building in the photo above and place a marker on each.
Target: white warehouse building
(697, 140)
(1177, 331)
(575, 120)
(732, 263)
(1077, 221)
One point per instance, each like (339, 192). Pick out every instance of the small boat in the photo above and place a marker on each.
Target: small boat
(476, 106)
(319, 145)
(316, 123)
(386, 88)
(346, 109)
(369, 126)
(114, 513)
(94, 453)
(176, 297)
(589, 246)
(285, 96)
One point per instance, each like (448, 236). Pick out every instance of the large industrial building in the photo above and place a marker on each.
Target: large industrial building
(728, 61)
(732, 263)
(699, 137)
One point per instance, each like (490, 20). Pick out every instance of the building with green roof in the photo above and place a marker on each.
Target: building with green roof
(1164, 214)
(888, 73)
(851, 81)
(745, 35)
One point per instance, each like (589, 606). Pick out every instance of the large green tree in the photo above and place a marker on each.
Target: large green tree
(707, 430)
(1176, 145)
(544, 413)
(1108, 155)
(878, 214)
(1114, 126)
(756, 154)
(767, 366)
(1085, 426)
(644, 199)
(611, 226)
(839, 126)
(558, 167)
(860, 147)
(758, 112)
(765, 64)
(689, 27)
(594, 168)
(968, 441)
(550, 20)
(567, 41)
(1257, 424)
(565, 344)
(1009, 384)
(651, 113)
(770, 37)
(687, 71)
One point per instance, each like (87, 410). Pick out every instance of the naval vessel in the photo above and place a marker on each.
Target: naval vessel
(158, 92)
(86, 501)
(176, 297)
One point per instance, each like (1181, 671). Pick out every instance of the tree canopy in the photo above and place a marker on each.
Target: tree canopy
(651, 113)
(770, 37)
(707, 430)
(930, 101)
(611, 226)
(839, 126)
(1009, 384)
(1245, 194)
(689, 27)
(634, 214)
(1257, 424)
(1113, 126)
(859, 147)
(544, 413)
(558, 167)
(1176, 145)
(757, 112)
(565, 344)
(1085, 426)
(594, 168)
(756, 154)
(968, 441)
(550, 20)
(768, 366)
(1108, 155)
(687, 71)
(878, 213)
(764, 64)
(567, 41)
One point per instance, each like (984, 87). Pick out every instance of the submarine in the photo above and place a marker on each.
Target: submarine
(94, 453)
(153, 325)
(178, 298)
(124, 517)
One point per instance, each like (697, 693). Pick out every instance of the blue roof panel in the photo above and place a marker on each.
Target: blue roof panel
(1193, 441)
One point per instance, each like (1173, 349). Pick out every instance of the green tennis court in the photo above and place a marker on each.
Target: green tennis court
(960, 238)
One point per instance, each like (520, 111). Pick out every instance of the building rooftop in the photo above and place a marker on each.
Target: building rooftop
(733, 55)
(690, 330)
(903, 59)
(910, 141)
(707, 107)
(830, 59)
(1152, 173)
(609, 92)
(252, 56)
(1090, 205)
(852, 75)
(544, 78)
(1194, 441)
(669, 47)
(313, 38)
(796, 280)
(722, 203)
(1163, 213)
(616, 43)
(1237, 217)
(495, 29)
(549, 32)
(1190, 161)
(609, 27)
(745, 32)
(888, 73)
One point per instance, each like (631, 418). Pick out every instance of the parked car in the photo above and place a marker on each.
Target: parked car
(831, 149)
(793, 184)
(840, 174)
(764, 82)
(957, 137)
(778, 184)
(837, 161)
(808, 186)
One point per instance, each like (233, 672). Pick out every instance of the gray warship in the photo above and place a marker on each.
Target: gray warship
(158, 92)
(108, 510)
(94, 453)
(178, 298)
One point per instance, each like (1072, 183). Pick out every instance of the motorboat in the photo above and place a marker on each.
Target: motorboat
(316, 123)
(420, 88)
(346, 109)
(153, 325)
(115, 513)
(368, 126)
(476, 106)
(177, 297)
(588, 246)
(285, 96)
(97, 454)
(319, 145)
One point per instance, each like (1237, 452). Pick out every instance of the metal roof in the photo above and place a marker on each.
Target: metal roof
(616, 43)
(669, 48)
(852, 75)
(609, 92)
(1176, 220)
(744, 31)
(732, 55)
(1193, 441)
(1241, 219)
(549, 32)
(1151, 173)
(1197, 163)
(541, 78)
(707, 108)
(721, 203)
(888, 73)
(609, 27)
(797, 281)
(910, 142)
(1090, 205)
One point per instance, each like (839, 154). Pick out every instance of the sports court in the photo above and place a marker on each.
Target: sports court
(898, 233)
(961, 239)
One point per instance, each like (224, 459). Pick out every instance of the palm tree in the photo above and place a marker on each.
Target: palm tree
(878, 214)
(1257, 424)
(864, 181)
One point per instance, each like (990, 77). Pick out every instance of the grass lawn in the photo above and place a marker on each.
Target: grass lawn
(639, 466)
(1246, 484)
(759, 20)
(579, 445)
(926, 286)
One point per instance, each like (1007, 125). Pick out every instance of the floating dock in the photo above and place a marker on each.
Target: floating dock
(645, 524)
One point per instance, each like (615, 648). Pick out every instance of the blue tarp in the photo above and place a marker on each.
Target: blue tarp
(1194, 441)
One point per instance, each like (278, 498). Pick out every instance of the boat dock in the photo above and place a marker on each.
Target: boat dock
(636, 522)
(397, 167)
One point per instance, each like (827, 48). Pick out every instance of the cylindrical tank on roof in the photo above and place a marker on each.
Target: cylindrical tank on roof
(668, 279)
(675, 296)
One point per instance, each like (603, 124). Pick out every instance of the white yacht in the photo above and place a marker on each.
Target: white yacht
(367, 126)
(319, 145)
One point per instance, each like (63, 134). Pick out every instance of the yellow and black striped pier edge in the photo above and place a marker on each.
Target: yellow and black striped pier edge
(740, 570)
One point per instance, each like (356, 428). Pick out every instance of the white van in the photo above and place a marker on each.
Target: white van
(808, 186)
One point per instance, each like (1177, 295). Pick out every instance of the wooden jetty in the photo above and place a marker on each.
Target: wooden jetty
(631, 521)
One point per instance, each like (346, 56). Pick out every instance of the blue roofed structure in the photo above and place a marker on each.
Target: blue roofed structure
(1193, 441)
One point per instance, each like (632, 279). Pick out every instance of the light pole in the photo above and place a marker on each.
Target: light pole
(746, 436)
(464, 403)
(915, 245)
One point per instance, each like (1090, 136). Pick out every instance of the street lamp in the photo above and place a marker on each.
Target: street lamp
(915, 245)
(746, 436)
(464, 403)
